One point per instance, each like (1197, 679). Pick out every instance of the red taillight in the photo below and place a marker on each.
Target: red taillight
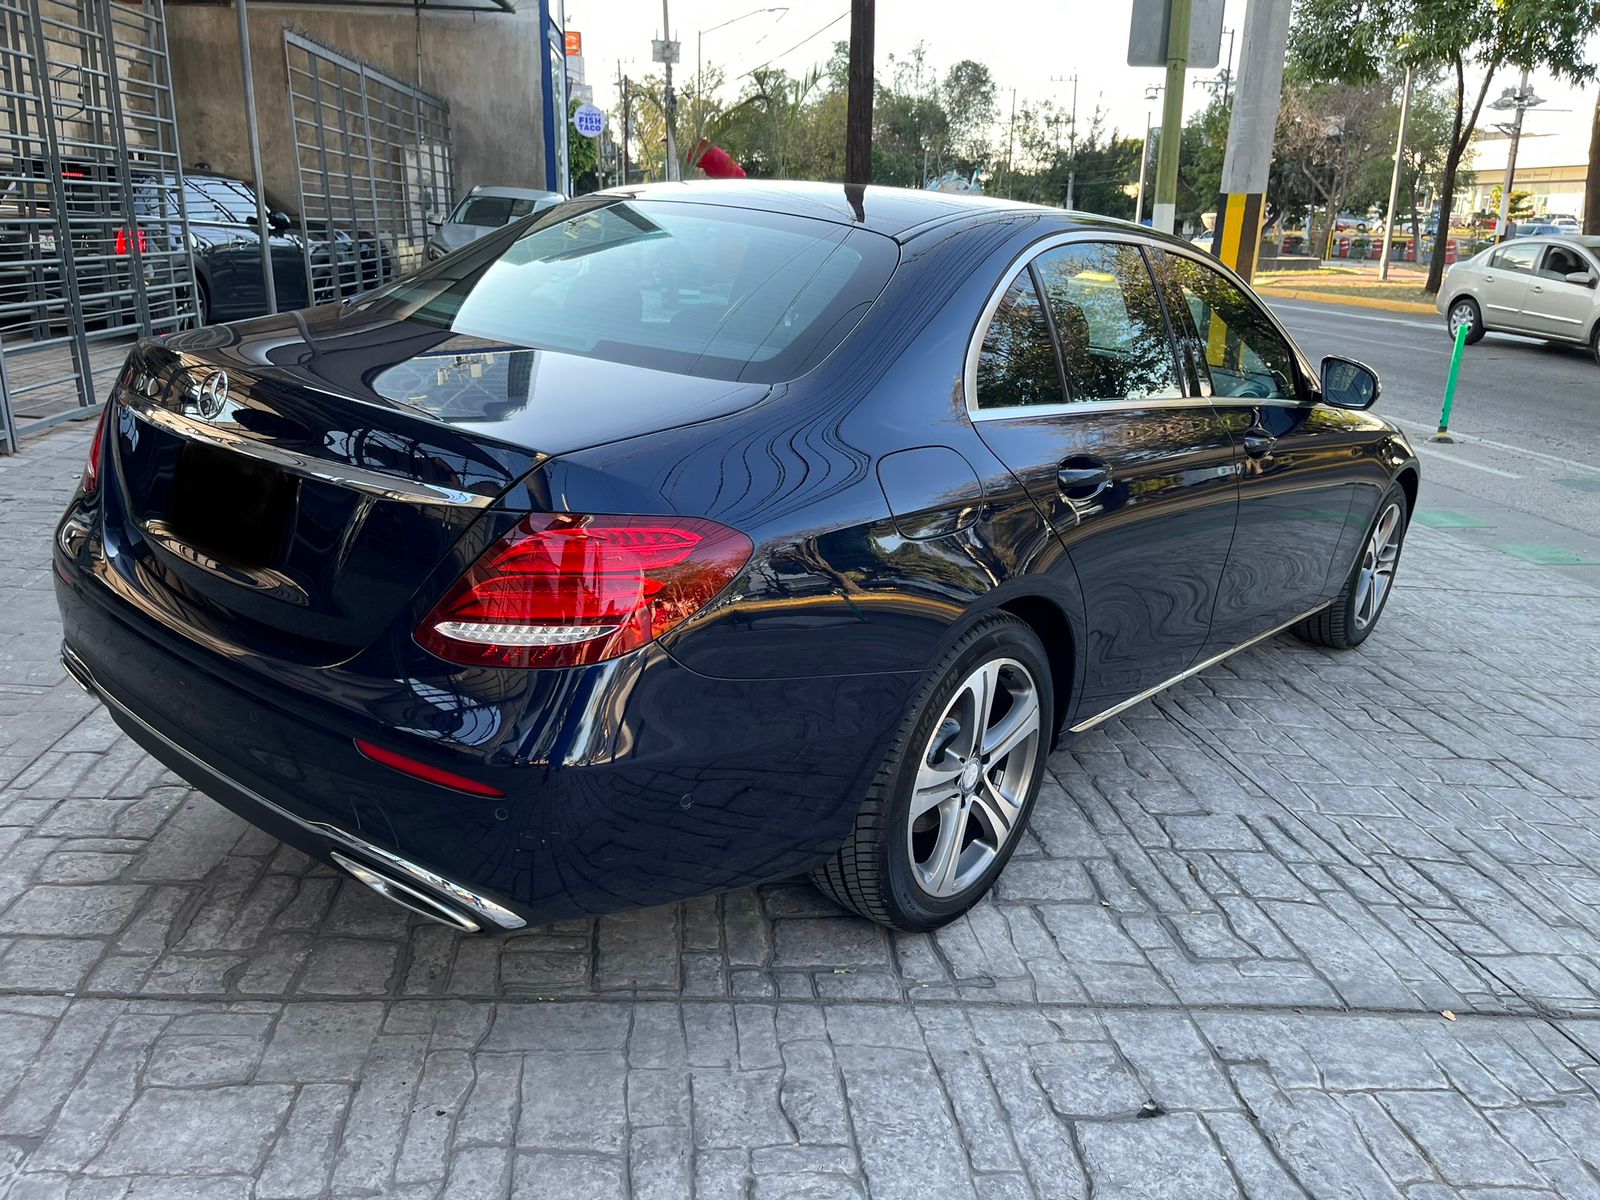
(421, 770)
(91, 468)
(122, 242)
(564, 589)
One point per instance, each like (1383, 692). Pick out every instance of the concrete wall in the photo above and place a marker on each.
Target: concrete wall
(487, 66)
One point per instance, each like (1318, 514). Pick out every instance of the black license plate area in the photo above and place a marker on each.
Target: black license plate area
(230, 507)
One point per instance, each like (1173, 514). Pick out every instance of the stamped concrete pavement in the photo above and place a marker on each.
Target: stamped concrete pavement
(1309, 925)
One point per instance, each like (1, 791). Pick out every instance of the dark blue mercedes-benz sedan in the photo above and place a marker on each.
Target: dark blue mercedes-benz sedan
(683, 537)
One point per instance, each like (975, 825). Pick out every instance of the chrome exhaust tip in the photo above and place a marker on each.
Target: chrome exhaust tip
(406, 896)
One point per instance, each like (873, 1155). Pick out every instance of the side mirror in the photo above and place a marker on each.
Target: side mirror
(1349, 384)
(436, 223)
(278, 220)
(1581, 278)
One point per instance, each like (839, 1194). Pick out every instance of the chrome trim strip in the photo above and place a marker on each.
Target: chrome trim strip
(969, 376)
(361, 479)
(1083, 726)
(446, 888)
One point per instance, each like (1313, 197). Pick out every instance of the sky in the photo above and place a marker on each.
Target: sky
(1031, 46)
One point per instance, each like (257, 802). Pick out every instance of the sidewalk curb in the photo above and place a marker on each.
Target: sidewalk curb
(1321, 297)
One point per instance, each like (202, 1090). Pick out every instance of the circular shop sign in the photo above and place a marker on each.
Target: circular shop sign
(589, 120)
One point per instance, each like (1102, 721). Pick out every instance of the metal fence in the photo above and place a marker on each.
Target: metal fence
(93, 237)
(372, 163)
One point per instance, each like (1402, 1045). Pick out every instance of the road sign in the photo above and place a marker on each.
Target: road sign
(589, 121)
(1147, 34)
(664, 52)
(574, 42)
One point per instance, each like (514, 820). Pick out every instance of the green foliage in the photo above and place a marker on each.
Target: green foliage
(1357, 42)
(583, 154)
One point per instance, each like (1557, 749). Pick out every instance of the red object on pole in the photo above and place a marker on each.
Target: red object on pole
(715, 161)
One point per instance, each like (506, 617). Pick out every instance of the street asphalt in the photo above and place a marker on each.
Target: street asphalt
(1309, 925)
(1526, 456)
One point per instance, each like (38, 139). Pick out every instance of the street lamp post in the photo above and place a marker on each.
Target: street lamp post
(1150, 93)
(1520, 99)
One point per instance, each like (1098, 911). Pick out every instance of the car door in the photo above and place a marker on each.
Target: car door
(1503, 286)
(1077, 390)
(1295, 486)
(1555, 307)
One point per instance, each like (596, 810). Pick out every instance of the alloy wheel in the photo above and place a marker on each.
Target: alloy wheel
(973, 776)
(1462, 314)
(1378, 562)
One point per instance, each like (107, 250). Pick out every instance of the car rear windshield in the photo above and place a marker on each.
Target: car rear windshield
(697, 289)
(492, 211)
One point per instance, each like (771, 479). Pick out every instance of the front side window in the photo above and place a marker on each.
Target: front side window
(1515, 258)
(697, 289)
(1245, 354)
(1108, 319)
(1561, 261)
(1017, 366)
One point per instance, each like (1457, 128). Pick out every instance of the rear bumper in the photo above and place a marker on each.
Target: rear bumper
(628, 784)
(321, 838)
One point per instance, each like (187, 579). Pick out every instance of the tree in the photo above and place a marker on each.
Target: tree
(1591, 187)
(969, 104)
(1330, 135)
(583, 156)
(1354, 43)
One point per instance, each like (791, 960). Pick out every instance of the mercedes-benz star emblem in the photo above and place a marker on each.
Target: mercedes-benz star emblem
(211, 394)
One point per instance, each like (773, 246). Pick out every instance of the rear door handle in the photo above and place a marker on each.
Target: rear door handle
(1083, 478)
(1537, 289)
(1258, 442)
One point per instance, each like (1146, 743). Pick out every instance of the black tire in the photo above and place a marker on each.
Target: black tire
(1594, 344)
(1466, 308)
(1343, 625)
(203, 302)
(874, 873)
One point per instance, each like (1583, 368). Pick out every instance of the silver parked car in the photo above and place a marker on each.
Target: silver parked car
(1537, 286)
(483, 210)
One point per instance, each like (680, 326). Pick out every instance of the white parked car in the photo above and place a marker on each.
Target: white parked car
(1565, 220)
(1538, 286)
(483, 210)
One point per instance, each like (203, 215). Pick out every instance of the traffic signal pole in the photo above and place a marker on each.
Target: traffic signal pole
(1165, 213)
(1236, 240)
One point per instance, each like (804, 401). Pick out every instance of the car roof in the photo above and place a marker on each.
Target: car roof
(899, 213)
(516, 193)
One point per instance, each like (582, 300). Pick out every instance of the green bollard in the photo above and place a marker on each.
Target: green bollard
(1450, 385)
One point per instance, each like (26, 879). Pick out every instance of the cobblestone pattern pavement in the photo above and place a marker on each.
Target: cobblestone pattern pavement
(1217, 967)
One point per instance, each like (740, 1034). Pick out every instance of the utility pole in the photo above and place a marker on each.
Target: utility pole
(1166, 209)
(1394, 179)
(1150, 93)
(627, 121)
(1227, 75)
(1521, 100)
(858, 106)
(1072, 139)
(670, 107)
(1252, 127)
(1011, 129)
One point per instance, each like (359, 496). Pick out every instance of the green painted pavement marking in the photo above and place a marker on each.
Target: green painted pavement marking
(1583, 485)
(1545, 556)
(1439, 518)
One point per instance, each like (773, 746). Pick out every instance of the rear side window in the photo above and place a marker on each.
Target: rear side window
(1561, 261)
(1515, 258)
(696, 289)
(1017, 365)
(1113, 333)
(492, 211)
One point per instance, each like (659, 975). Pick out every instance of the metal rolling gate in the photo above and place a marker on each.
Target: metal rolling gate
(373, 165)
(93, 237)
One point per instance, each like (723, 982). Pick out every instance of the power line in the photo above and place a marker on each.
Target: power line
(797, 45)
